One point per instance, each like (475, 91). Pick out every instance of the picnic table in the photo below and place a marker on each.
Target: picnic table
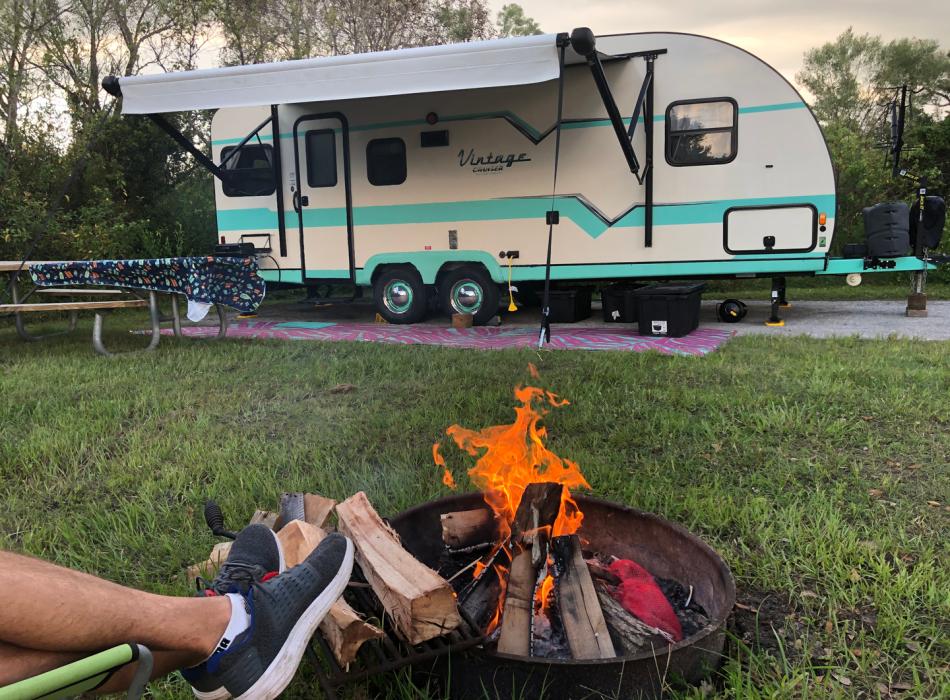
(101, 286)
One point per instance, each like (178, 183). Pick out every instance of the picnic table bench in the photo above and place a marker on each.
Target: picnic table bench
(98, 300)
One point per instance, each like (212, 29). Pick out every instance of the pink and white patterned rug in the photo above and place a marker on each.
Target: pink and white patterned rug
(700, 342)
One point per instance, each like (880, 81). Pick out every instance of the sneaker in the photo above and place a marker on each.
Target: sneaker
(255, 555)
(285, 612)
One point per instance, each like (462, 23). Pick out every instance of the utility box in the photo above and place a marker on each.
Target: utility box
(619, 303)
(669, 309)
(569, 305)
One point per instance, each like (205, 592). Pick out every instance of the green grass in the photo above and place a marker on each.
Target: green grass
(809, 464)
(893, 287)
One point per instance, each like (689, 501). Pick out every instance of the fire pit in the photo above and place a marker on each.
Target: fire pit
(665, 549)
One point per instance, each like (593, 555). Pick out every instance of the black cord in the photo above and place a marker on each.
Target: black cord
(545, 333)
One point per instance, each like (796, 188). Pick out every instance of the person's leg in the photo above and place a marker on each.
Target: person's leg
(49, 608)
(17, 664)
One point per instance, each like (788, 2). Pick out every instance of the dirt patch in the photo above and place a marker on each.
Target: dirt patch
(766, 622)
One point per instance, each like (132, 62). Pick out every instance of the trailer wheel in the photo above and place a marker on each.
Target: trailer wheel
(400, 295)
(469, 290)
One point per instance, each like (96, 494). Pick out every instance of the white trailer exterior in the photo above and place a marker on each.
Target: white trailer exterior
(396, 171)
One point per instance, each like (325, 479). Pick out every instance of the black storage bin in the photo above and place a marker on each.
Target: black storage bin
(619, 303)
(855, 250)
(887, 229)
(569, 305)
(669, 309)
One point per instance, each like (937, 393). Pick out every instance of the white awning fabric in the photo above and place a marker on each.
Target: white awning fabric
(477, 64)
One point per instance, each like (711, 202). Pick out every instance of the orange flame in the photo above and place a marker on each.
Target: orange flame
(544, 593)
(512, 456)
(439, 460)
(509, 458)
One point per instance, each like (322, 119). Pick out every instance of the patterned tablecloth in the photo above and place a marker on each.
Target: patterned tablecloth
(232, 282)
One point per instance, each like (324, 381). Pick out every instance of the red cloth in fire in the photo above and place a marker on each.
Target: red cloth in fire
(638, 593)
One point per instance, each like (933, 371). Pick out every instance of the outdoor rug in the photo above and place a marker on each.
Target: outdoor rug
(700, 342)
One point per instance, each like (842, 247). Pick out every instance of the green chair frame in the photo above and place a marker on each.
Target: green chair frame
(85, 675)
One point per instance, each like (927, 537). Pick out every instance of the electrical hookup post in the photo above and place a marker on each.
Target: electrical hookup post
(917, 300)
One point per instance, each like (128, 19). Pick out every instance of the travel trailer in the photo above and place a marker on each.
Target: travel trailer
(452, 171)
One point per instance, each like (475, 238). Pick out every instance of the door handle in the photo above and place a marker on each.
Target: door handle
(300, 201)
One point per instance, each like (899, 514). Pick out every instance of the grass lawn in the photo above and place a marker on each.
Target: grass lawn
(818, 468)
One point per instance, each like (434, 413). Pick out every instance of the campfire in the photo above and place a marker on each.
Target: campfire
(527, 571)
(519, 568)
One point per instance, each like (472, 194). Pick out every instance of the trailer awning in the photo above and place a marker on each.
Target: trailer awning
(477, 64)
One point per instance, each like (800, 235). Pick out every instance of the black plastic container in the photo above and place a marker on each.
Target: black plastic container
(855, 250)
(570, 305)
(619, 303)
(887, 229)
(669, 309)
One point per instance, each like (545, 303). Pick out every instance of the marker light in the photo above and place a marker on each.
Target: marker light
(822, 218)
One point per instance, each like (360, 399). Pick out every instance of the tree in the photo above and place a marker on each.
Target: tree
(512, 21)
(21, 21)
(851, 77)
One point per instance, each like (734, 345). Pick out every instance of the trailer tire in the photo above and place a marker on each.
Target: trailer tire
(469, 290)
(400, 296)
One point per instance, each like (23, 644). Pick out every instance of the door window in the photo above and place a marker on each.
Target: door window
(321, 158)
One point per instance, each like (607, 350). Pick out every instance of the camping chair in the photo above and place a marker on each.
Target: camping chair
(84, 675)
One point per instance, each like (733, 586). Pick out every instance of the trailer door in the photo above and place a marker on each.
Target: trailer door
(320, 185)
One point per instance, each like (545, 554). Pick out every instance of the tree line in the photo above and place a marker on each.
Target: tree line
(136, 194)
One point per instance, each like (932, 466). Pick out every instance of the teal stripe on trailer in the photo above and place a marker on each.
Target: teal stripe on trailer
(535, 133)
(508, 209)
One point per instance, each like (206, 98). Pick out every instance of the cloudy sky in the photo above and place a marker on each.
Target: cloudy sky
(779, 31)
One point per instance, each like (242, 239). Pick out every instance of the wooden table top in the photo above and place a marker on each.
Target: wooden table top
(14, 265)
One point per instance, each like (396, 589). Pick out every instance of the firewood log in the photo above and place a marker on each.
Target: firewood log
(420, 602)
(633, 635)
(530, 532)
(465, 528)
(581, 615)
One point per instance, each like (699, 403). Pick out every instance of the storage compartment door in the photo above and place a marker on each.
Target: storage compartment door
(781, 229)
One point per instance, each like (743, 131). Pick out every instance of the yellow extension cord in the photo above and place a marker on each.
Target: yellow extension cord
(511, 297)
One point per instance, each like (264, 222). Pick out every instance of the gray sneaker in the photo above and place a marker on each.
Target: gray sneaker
(256, 555)
(285, 612)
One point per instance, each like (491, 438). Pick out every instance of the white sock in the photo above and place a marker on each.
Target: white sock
(240, 621)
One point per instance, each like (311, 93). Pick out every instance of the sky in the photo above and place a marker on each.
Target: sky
(778, 31)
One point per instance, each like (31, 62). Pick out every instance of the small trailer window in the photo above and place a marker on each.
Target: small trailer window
(701, 132)
(321, 158)
(386, 161)
(250, 173)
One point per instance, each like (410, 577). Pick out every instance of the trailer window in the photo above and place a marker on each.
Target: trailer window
(321, 158)
(250, 173)
(701, 132)
(386, 161)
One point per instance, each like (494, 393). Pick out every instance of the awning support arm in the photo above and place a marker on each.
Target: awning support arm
(180, 139)
(603, 87)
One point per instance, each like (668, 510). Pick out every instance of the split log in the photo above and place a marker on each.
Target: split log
(264, 516)
(345, 632)
(309, 507)
(317, 509)
(481, 600)
(298, 539)
(632, 634)
(465, 528)
(583, 619)
(208, 568)
(420, 602)
(343, 628)
(530, 532)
